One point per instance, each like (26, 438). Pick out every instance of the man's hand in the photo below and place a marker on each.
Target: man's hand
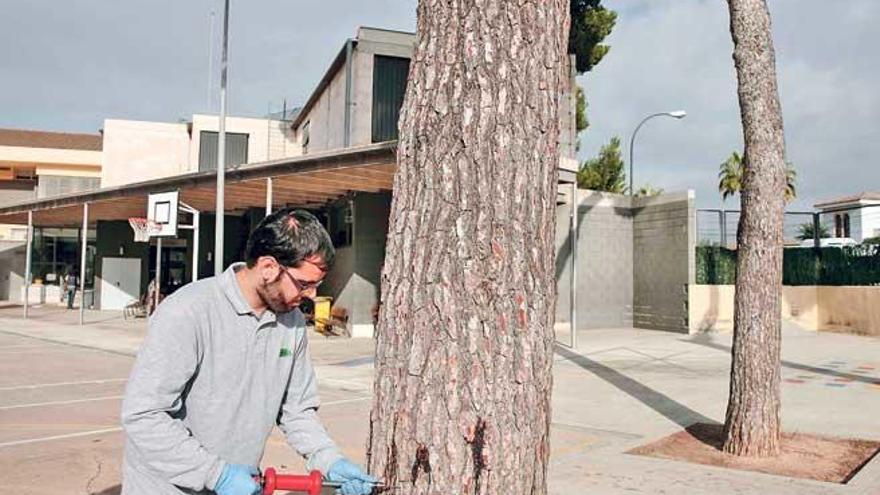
(354, 480)
(237, 480)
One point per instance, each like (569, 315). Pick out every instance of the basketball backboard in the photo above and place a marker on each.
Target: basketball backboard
(162, 210)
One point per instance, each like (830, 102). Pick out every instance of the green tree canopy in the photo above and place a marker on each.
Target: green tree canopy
(590, 24)
(605, 172)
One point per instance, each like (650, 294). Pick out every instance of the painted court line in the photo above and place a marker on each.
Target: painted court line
(61, 384)
(111, 430)
(59, 437)
(344, 401)
(19, 346)
(58, 403)
(43, 350)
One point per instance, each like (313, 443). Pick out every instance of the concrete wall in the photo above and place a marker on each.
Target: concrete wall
(605, 268)
(137, 151)
(267, 139)
(847, 309)
(372, 42)
(663, 260)
(635, 259)
(327, 117)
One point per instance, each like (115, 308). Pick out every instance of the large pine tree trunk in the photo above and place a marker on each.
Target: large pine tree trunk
(465, 337)
(752, 421)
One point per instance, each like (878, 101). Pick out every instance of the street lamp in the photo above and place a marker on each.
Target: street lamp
(677, 114)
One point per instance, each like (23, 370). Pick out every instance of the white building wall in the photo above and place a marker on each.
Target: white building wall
(136, 151)
(864, 221)
(267, 139)
(870, 220)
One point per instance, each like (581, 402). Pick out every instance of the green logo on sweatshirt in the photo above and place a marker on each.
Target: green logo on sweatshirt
(284, 352)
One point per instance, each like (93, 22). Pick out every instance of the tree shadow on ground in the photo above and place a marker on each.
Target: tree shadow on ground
(113, 490)
(663, 404)
(705, 341)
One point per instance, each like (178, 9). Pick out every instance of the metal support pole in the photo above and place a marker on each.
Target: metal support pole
(817, 243)
(574, 250)
(722, 224)
(196, 222)
(82, 264)
(27, 261)
(221, 150)
(158, 272)
(268, 196)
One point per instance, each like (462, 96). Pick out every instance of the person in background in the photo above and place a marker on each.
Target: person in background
(70, 281)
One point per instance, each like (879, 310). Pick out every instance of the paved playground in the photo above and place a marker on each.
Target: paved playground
(61, 387)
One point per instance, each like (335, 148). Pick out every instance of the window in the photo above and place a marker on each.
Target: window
(838, 226)
(846, 225)
(55, 185)
(389, 86)
(305, 136)
(236, 149)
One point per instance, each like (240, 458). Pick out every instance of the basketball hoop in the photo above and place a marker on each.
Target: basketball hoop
(143, 228)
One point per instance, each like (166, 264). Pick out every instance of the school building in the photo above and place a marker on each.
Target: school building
(336, 157)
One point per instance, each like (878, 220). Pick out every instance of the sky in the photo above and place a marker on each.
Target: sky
(66, 66)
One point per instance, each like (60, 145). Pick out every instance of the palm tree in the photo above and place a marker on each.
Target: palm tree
(731, 172)
(649, 190)
(806, 231)
(730, 176)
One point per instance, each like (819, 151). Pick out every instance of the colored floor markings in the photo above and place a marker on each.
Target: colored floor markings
(866, 368)
(806, 377)
(835, 384)
(843, 379)
(861, 372)
(793, 380)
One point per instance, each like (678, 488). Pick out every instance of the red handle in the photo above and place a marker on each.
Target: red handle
(303, 483)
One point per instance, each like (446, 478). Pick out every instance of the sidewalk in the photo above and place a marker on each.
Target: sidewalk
(621, 388)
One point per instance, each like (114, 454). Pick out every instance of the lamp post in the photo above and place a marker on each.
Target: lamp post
(677, 114)
(219, 216)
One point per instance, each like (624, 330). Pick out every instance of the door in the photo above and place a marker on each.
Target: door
(120, 282)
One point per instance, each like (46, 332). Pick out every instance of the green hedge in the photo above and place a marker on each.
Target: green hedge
(857, 265)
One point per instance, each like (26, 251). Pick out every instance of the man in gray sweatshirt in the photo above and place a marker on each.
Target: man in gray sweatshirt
(225, 360)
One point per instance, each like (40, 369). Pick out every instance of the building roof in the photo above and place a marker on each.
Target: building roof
(855, 198)
(307, 180)
(56, 140)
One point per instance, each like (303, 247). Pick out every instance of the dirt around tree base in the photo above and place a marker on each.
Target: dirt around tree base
(803, 456)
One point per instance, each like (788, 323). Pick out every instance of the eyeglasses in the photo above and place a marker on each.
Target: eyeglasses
(301, 285)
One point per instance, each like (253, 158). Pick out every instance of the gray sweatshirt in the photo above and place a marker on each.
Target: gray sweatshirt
(210, 382)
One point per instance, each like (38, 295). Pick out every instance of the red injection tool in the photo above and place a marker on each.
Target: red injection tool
(310, 484)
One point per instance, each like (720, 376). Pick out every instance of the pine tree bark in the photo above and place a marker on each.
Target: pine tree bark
(752, 421)
(465, 327)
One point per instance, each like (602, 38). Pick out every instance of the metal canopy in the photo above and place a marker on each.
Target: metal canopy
(310, 180)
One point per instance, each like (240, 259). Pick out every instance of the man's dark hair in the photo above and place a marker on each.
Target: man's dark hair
(290, 236)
